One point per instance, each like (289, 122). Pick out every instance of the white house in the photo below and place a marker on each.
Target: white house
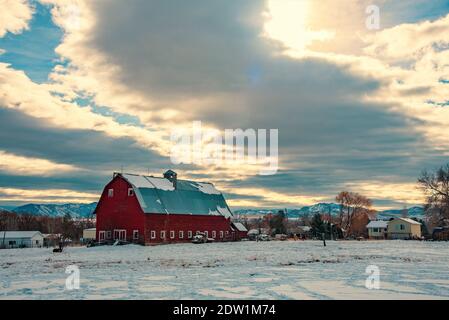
(21, 239)
(404, 228)
(89, 234)
(377, 229)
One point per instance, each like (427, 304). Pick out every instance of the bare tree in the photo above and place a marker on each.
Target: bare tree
(436, 187)
(351, 206)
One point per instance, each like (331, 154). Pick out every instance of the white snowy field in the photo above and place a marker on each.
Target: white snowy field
(241, 270)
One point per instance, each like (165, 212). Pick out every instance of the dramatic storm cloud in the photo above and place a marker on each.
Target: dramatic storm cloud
(356, 109)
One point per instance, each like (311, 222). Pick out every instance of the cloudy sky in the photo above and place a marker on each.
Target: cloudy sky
(90, 86)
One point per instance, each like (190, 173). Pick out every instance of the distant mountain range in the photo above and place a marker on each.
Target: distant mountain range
(85, 210)
(76, 211)
(332, 208)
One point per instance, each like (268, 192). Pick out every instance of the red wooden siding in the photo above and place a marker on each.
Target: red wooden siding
(185, 223)
(121, 211)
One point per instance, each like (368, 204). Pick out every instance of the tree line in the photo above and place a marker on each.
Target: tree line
(65, 226)
(356, 212)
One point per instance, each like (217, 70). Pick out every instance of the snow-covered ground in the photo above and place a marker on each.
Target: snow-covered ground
(243, 270)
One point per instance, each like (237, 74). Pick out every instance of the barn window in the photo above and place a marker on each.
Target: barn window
(214, 234)
(101, 235)
(172, 234)
(119, 234)
(136, 234)
(189, 234)
(227, 233)
(221, 234)
(153, 234)
(130, 192)
(162, 234)
(181, 234)
(108, 234)
(206, 233)
(110, 193)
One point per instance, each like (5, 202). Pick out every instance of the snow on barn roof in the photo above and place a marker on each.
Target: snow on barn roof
(18, 234)
(239, 226)
(158, 195)
(377, 224)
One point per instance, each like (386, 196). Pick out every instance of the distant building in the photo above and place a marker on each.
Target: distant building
(89, 234)
(377, 229)
(21, 239)
(302, 232)
(240, 229)
(51, 239)
(253, 234)
(403, 228)
(151, 210)
(440, 233)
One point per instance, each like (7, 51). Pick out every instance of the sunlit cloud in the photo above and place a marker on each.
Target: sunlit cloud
(46, 195)
(271, 198)
(19, 165)
(407, 194)
(14, 16)
(289, 22)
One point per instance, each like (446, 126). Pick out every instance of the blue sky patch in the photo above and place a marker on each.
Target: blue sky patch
(33, 51)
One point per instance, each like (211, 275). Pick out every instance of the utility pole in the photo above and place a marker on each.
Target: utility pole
(324, 238)
(332, 234)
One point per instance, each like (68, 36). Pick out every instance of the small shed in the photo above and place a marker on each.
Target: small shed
(241, 231)
(377, 229)
(21, 239)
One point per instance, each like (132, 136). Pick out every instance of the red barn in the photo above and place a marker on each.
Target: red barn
(151, 210)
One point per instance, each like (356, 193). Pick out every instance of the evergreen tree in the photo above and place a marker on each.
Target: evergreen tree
(277, 223)
(67, 226)
(317, 225)
(424, 230)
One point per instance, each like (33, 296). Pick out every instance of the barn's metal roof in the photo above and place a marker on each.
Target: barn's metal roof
(239, 226)
(158, 195)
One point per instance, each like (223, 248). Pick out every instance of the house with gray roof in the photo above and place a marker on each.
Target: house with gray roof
(21, 239)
